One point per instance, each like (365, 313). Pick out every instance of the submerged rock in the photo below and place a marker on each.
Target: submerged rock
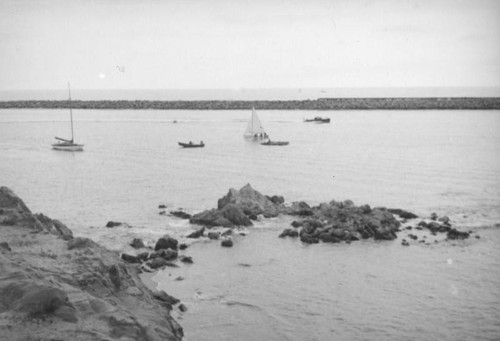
(180, 214)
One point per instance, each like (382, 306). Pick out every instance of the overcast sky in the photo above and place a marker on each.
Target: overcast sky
(153, 44)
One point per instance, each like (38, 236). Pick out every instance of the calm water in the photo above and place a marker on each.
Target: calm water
(265, 287)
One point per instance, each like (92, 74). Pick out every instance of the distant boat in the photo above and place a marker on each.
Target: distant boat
(191, 145)
(318, 119)
(274, 143)
(65, 144)
(255, 130)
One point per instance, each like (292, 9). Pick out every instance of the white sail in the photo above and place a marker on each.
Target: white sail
(254, 128)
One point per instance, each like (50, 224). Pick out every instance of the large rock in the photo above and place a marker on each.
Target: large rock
(300, 208)
(166, 242)
(230, 215)
(251, 202)
(344, 221)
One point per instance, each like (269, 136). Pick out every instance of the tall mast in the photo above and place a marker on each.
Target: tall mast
(253, 114)
(70, 111)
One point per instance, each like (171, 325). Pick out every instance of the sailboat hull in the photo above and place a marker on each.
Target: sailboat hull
(70, 147)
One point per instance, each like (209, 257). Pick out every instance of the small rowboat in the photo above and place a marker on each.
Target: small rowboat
(191, 145)
(318, 119)
(274, 143)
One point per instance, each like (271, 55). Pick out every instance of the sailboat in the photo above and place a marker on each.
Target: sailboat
(65, 144)
(255, 130)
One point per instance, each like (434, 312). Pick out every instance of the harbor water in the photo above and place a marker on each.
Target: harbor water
(265, 287)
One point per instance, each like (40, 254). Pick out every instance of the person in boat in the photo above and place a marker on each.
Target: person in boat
(201, 142)
(190, 142)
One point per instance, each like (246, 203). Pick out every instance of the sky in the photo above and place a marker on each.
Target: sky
(200, 44)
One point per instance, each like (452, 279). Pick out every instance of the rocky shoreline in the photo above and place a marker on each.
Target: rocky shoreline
(54, 286)
(57, 287)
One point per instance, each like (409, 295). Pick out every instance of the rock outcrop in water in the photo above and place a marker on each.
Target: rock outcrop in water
(331, 222)
(343, 221)
(56, 287)
(238, 208)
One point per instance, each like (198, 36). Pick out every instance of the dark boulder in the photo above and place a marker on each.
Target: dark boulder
(196, 234)
(422, 224)
(186, 259)
(445, 220)
(213, 235)
(229, 216)
(433, 226)
(137, 243)
(384, 234)
(308, 239)
(180, 214)
(455, 234)
(157, 263)
(143, 256)
(289, 233)
(130, 259)
(227, 243)
(168, 254)
(328, 238)
(300, 208)
(402, 213)
(166, 242)
(276, 199)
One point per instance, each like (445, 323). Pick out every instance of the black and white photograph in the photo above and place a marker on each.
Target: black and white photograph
(225, 170)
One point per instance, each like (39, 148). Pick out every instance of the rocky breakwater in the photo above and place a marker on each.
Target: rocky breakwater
(57, 287)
